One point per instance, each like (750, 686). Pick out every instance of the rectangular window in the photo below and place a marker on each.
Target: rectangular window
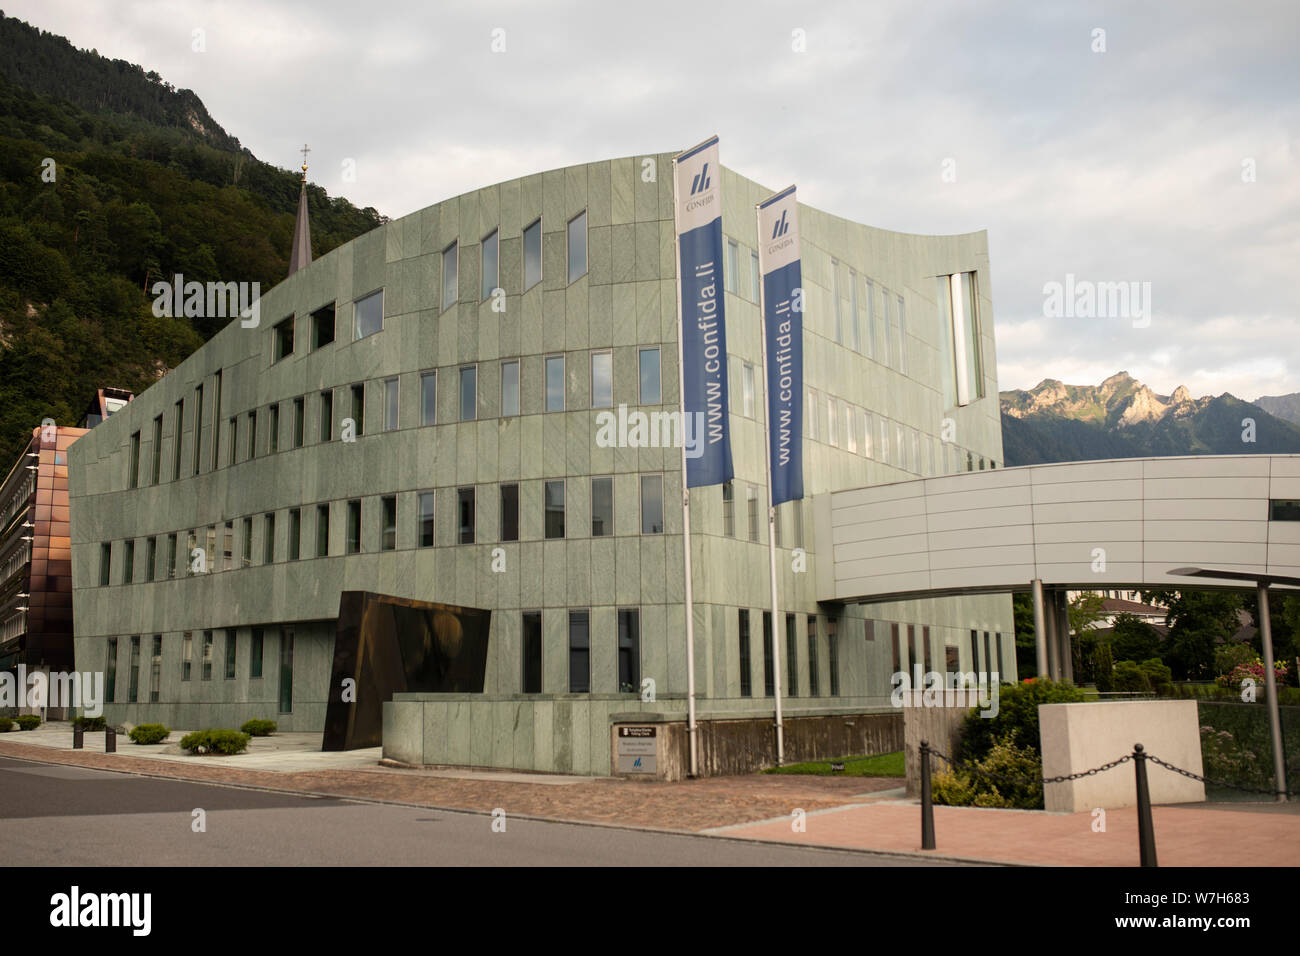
(867, 427)
(814, 677)
(651, 387)
(510, 512)
(450, 289)
(295, 534)
(652, 504)
(755, 277)
(215, 459)
(854, 330)
(902, 337)
(133, 470)
(602, 507)
(273, 429)
(322, 326)
(156, 470)
(791, 656)
(429, 398)
(255, 654)
(533, 255)
(322, 531)
(424, 518)
(898, 650)
(232, 649)
(602, 379)
(579, 652)
(150, 558)
(769, 673)
(286, 670)
(753, 512)
(833, 655)
(187, 655)
(388, 524)
(729, 509)
(110, 672)
(835, 297)
(796, 507)
(733, 265)
(390, 404)
(234, 440)
(268, 538)
(555, 383)
(886, 352)
(629, 650)
(509, 388)
(814, 411)
(491, 274)
(469, 393)
(578, 246)
(746, 678)
(327, 415)
(747, 388)
(832, 424)
(1279, 509)
(207, 656)
(252, 434)
(246, 555)
(850, 432)
(105, 563)
(554, 505)
(171, 556)
(176, 440)
(359, 409)
(961, 340)
(531, 682)
(128, 562)
(870, 338)
(299, 420)
(198, 427)
(228, 546)
(283, 340)
(369, 314)
(997, 643)
(975, 653)
(133, 683)
(353, 540)
(465, 515)
(155, 669)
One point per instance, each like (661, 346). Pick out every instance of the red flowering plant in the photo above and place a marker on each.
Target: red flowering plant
(1253, 670)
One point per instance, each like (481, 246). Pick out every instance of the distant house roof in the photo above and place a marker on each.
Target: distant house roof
(1118, 606)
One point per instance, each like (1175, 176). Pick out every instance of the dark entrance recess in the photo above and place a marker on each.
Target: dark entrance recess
(391, 645)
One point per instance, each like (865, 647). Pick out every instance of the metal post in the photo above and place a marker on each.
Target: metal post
(110, 740)
(1270, 690)
(78, 737)
(1066, 657)
(927, 805)
(1040, 627)
(1146, 828)
(1050, 637)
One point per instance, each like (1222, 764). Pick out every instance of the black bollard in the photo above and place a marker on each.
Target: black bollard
(1146, 828)
(927, 806)
(110, 740)
(78, 738)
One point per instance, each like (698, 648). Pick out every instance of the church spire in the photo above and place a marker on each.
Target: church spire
(300, 252)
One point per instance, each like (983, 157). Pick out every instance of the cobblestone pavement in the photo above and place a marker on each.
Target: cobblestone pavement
(691, 805)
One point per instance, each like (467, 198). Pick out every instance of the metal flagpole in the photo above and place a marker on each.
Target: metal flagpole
(688, 591)
(777, 624)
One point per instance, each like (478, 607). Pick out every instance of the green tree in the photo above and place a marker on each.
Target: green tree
(1133, 639)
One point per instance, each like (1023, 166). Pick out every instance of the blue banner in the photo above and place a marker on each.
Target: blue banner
(698, 195)
(779, 265)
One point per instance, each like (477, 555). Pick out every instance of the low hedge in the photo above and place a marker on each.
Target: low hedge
(149, 734)
(219, 741)
(6, 725)
(89, 723)
(28, 721)
(258, 727)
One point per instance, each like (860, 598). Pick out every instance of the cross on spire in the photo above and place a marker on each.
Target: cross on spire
(305, 150)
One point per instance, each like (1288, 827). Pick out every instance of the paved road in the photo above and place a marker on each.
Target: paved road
(71, 816)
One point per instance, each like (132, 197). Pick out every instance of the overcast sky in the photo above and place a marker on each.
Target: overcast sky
(1122, 165)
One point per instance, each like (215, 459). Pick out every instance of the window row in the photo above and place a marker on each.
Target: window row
(911, 648)
(627, 647)
(792, 685)
(872, 324)
(213, 548)
(346, 419)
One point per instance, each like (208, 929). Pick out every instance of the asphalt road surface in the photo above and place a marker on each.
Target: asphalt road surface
(56, 815)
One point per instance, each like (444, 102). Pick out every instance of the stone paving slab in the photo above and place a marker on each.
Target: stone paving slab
(1186, 835)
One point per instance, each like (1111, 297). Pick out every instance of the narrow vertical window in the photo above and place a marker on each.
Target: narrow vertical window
(234, 440)
(833, 654)
(753, 512)
(273, 428)
(128, 562)
(533, 255)
(322, 531)
(268, 538)
(391, 407)
(424, 518)
(156, 471)
(359, 409)
(388, 524)
(216, 420)
(555, 383)
(198, 427)
(232, 651)
(171, 556)
(747, 388)
(282, 340)
(295, 534)
(450, 289)
(429, 398)
(554, 505)
(769, 671)
(322, 326)
(578, 246)
(368, 315)
(465, 515)
(246, 552)
(133, 687)
(510, 512)
(255, 646)
(746, 669)
(469, 393)
(835, 297)
(814, 675)
(151, 558)
(176, 440)
(729, 509)
(110, 673)
(652, 504)
(602, 379)
(299, 420)
(791, 656)
(252, 436)
(755, 277)
(206, 673)
(509, 388)
(327, 415)
(491, 264)
(854, 330)
(602, 507)
(187, 655)
(286, 670)
(651, 387)
(579, 652)
(155, 669)
(353, 527)
(733, 265)
(531, 678)
(105, 563)
(133, 472)
(629, 650)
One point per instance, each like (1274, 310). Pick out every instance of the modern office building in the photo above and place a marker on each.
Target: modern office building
(415, 415)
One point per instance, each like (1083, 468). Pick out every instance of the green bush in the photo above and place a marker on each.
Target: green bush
(1020, 783)
(1158, 675)
(90, 723)
(6, 725)
(1103, 665)
(28, 721)
(215, 741)
(1017, 716)
(258, 727)
(1130, 677)
(1230, 656)
(149, 734)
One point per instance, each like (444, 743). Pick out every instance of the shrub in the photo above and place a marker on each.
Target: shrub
(1253, 669)
(1019, 783)
(1232, 655)
(1158, 675)
(90, 723)
(28, 721)
(215, 741)
(6, 725)
(1130, 677)
(258, 727)
(1227, 759)
(1017, 716)
(1103, 665)
(149, 734)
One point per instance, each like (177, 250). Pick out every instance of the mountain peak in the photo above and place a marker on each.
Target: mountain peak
(1180, 395)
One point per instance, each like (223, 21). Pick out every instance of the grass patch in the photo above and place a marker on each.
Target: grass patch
(881, 765)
